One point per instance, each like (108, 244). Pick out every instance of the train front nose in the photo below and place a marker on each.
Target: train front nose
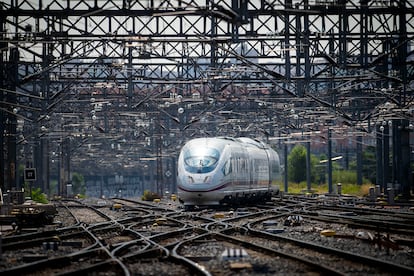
(197, 167)
(196, 193)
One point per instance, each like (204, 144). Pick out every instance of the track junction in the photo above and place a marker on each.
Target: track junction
(290, 235)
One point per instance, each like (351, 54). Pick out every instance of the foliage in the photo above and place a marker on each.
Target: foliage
(357, 190)
(53, 186)
(78, 184)
(297, 165)
(320, 170)
(38, 196)
(348, 178)
(20, 173)
(26, 189)
(297, 188)
(345, 176)
(369, 169)
(314, 171)
(350, 189)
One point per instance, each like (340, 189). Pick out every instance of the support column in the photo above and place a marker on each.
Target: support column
(2, 157)
(9, 122)
(359, 160)
(386, 155)
(285, 178)
(330, 189)
(308, 166)
(404, 174)
(3, 77)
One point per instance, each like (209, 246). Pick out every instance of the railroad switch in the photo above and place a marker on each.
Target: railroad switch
(275, 230)
(293, 221)
(268, 223)
(271, 226)
(53, 246)
(234, 254)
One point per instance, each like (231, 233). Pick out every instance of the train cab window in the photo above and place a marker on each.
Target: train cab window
(196, 161)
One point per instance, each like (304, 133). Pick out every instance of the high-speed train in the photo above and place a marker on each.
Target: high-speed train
(223, 170)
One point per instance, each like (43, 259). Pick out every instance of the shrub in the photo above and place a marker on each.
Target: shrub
(38, 196)
(348, 177)
(350, 189)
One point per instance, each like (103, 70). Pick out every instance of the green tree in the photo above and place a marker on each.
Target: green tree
(297, 164)
(369, 169)
(78, 184)
(319, 169)
(53, 186)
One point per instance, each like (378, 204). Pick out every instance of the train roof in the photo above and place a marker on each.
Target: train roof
(241, 140)
(254, 142)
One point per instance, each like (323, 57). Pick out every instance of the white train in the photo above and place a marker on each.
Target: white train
(222, 170)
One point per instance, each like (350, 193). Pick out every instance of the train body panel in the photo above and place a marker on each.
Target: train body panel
(214, 171)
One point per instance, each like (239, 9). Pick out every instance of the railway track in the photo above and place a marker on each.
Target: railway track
(220, 253)
(130, 237)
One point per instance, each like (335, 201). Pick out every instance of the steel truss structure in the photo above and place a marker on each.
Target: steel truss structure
(135, 79)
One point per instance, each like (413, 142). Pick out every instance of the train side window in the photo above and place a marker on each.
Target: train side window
(275, 167)
(236, 164)
(227, 168)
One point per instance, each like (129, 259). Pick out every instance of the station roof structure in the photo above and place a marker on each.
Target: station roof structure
(110, 83)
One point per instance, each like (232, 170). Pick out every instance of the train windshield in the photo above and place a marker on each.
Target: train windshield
(201, 160)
